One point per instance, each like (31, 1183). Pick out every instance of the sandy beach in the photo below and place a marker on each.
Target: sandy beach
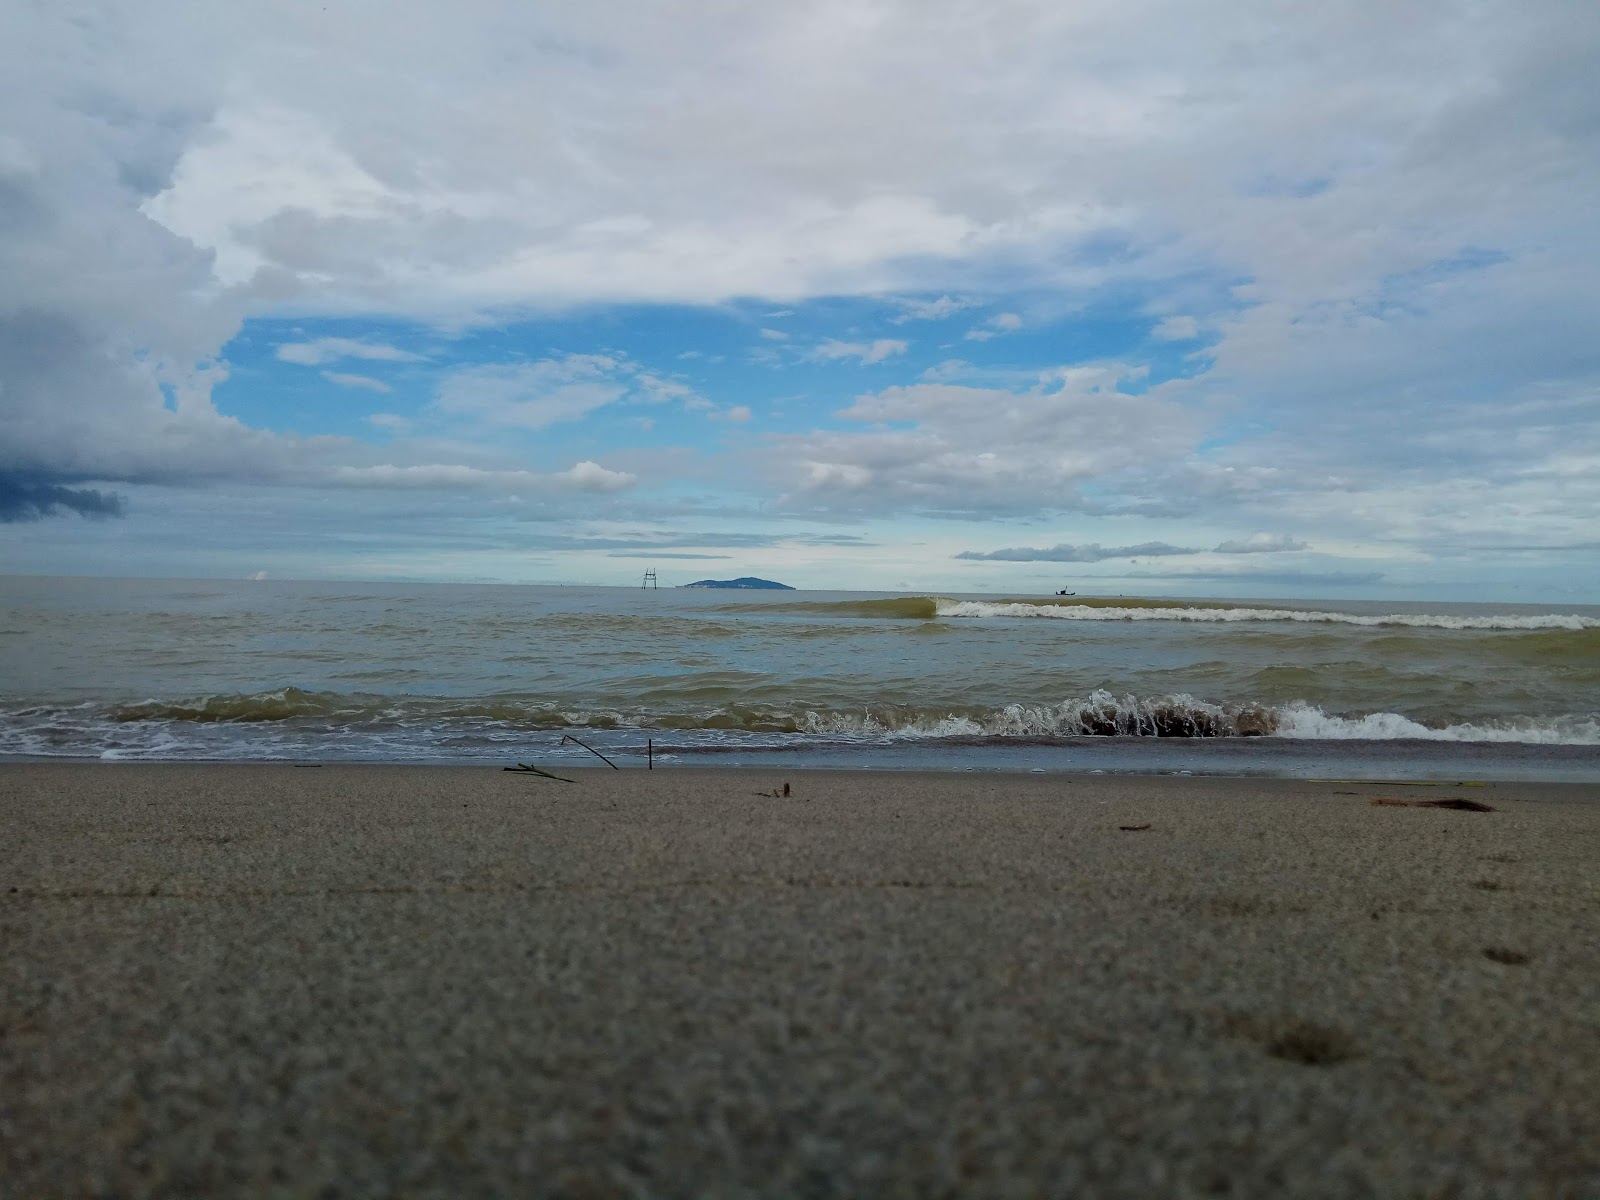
(330, 981)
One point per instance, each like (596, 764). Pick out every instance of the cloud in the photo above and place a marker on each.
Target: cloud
(1092, 552)
(24, 499)
(953, 450)
(862, 352)
(532, 395)
(775, 335)
(332, 349)
(1295, 578)
(650, 388)
(592, 477)
(933, 310)
(1008, 322)
(660, 554)
(1176, 329)
(1261, 543)
(1383, 223)
(581, 477)
(517, 397)
(356, 381)
(665, 543)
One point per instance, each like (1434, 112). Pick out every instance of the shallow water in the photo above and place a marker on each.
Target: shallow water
(429, 672)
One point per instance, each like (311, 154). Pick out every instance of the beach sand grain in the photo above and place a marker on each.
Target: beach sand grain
(358, 980)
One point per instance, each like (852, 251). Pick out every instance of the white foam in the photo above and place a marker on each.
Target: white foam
(1307, 721)
(1085, 612)
(1132, 716)
(1089, 714)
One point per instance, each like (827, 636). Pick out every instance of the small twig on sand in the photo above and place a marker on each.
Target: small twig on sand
(1132, 828)
(524, 769)
(567, 737)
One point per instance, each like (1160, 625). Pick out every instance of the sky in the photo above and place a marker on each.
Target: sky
(926, 295)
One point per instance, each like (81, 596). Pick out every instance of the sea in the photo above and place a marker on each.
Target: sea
(574, 677)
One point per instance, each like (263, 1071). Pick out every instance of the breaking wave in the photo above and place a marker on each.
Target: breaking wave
(1096, 608)
(292, 722)
(958, 609)
(1102, 714)
(1309, 722)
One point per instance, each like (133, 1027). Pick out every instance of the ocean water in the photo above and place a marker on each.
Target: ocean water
(323, 672)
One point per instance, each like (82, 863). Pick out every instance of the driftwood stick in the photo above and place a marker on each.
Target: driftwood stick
(567, 737)
(524, 769)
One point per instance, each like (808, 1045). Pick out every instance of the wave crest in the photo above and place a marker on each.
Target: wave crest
(1100, 714)
(299, 721)
(1081, 612)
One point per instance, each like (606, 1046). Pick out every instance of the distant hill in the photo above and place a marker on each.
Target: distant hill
(744, 581)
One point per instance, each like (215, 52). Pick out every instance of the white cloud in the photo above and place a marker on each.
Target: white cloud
(1087, 553)
(331, 349)
(1176, 329)
(551, 391)
(1007, 322)
(950, 449)
(1261, 543)
(1383, 218)
(933, 310)
(949, 369)
(863, 352)
(583, 477)
(739, 412)
(775, 335)
(650, 388)
(365, 382)
(531, 395)
(592, 477)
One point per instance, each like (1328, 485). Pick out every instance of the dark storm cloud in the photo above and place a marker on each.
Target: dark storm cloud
(26, 499)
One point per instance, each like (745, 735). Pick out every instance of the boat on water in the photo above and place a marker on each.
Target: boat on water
(1064, 592)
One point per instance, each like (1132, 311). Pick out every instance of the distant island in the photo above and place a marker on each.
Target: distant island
(744, 581)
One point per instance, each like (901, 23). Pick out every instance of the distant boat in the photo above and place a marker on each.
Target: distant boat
(1064, 592)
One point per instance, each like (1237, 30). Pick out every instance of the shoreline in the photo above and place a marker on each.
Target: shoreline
(1284, 759)
(266, 979)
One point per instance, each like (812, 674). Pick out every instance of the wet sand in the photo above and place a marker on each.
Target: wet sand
(271, 980)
